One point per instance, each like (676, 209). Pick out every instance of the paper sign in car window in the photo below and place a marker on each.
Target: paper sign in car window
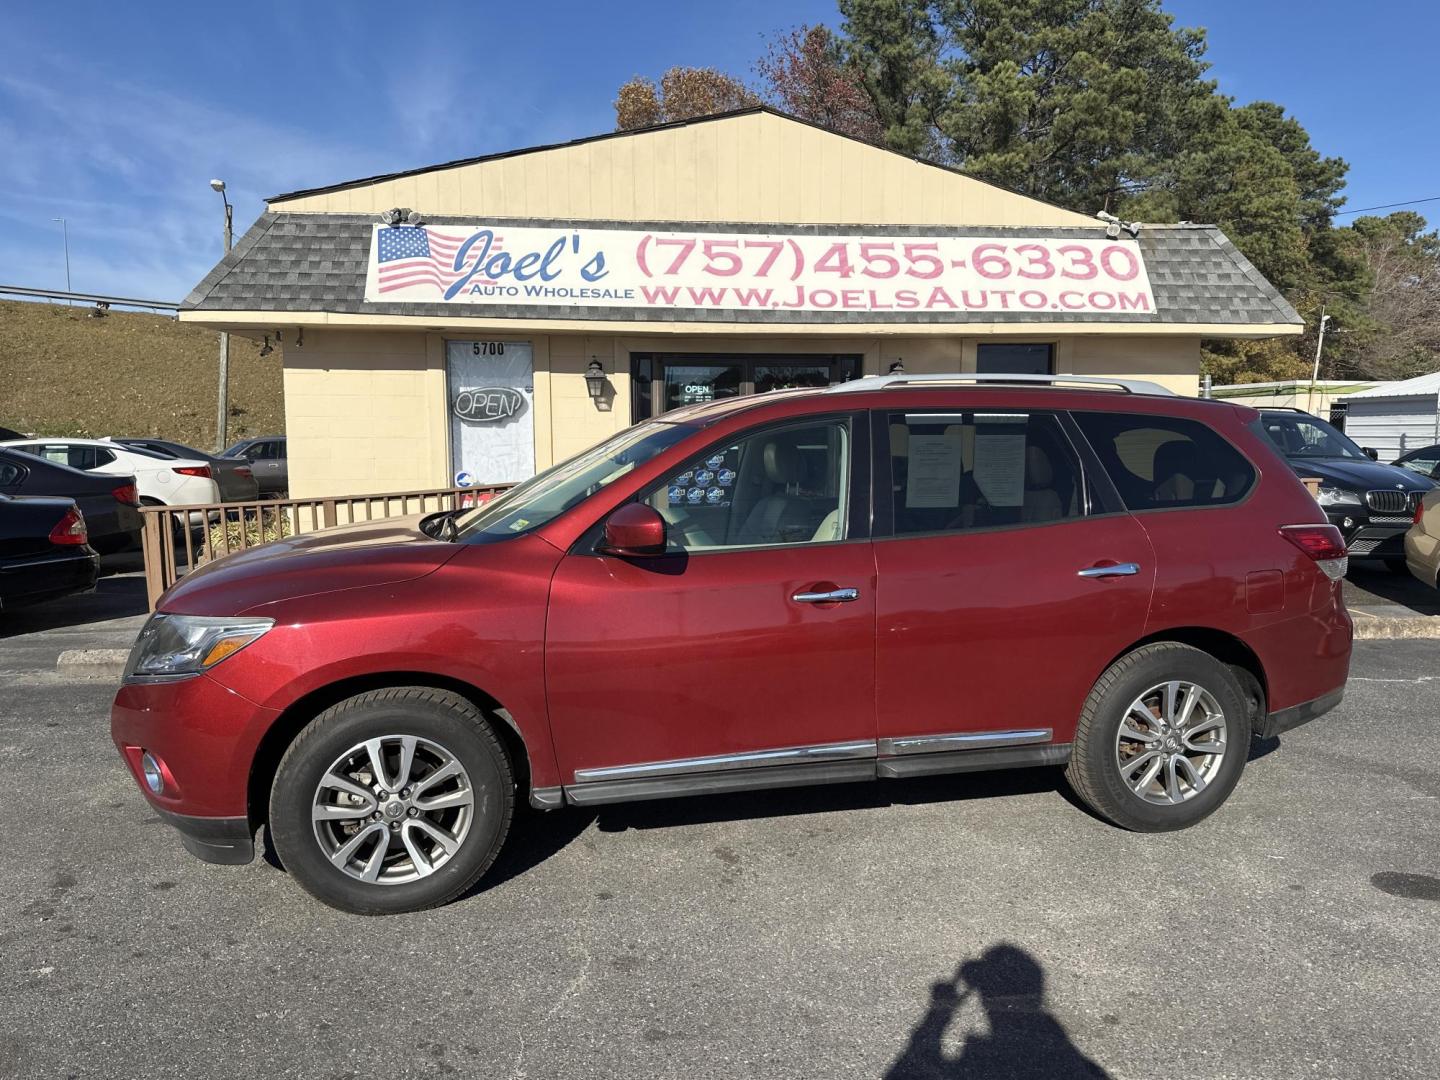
(1000, 458)
(933, 479)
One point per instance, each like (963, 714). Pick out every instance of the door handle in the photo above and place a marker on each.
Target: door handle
(843, 596)
(1124, 569)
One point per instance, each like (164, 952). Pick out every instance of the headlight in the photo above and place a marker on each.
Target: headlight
(1333, 496)
(178, 645)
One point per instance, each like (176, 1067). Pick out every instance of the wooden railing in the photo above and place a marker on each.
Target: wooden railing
(177, 539)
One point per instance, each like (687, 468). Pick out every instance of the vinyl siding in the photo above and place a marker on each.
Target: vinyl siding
(1392, 426)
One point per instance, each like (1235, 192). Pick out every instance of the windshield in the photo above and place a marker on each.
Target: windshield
(1299, 435)
(550, 493)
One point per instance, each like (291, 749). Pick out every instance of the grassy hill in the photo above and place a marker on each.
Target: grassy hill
(63, 372)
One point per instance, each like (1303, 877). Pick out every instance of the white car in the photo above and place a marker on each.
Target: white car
(160, 481)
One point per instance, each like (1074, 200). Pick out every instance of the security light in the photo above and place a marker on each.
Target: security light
(266, 349)
(897, 368)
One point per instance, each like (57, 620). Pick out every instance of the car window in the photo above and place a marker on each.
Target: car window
(549, 494)
(1301, 435)
(1161, 462)
(979, 469)
(1424, 464)
(10, 474)
(782, 485)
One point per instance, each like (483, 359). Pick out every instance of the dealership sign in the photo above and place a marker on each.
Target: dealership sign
(503, 266)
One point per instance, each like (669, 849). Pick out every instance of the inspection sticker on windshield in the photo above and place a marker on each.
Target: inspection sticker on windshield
(518, 524)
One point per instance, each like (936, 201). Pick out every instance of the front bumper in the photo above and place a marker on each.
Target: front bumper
(205, 737)
(1287, 719)
(227, 840)
(1369, 535)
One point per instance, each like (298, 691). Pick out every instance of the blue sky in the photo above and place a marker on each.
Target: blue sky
(115, 116)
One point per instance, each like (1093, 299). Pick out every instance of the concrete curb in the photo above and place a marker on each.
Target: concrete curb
(1397, 629)
(92, 663)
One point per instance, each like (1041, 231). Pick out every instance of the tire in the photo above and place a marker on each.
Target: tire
(444, 730)
(1396, 565)
(1096, 772)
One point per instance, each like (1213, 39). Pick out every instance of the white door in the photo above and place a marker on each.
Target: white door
(491, 385)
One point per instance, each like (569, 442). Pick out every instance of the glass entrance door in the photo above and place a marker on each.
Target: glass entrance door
(690, 384)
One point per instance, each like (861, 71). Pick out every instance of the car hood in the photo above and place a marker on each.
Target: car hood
(1360, 475)
(348, 557)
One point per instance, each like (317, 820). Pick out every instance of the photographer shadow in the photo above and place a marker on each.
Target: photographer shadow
(1023, 1042)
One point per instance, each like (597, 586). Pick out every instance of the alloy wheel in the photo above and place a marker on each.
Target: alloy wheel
(1171, 742)
(393, 809)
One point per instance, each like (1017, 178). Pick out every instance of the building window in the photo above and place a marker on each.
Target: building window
(1015, 358)
(664, 381)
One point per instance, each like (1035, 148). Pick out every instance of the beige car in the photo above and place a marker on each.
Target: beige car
(1422, 542)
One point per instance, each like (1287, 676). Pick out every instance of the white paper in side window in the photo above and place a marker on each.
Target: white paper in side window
(1000, 459)
(933, 479)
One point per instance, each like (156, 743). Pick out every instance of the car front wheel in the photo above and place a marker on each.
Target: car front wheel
(391, 801)
(1162, 739)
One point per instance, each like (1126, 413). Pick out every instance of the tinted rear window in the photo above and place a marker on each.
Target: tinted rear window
(1162, 462)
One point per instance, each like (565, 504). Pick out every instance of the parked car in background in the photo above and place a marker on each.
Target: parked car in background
(161, 480)
(1371, 504)
(913, 576)
(110, 503)
(266, 456)
(1425, 461)
(234, 476)
(1422, 541)
(43, 550)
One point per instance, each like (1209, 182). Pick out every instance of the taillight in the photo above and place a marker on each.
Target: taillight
(126, 494)
(70, 529)
(1419, 511)
(1324, 544)
(193, 470)
(243, 470)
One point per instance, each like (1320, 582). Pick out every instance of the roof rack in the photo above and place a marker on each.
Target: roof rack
(886, 382)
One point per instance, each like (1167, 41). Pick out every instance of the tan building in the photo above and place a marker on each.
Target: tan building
(722, 256)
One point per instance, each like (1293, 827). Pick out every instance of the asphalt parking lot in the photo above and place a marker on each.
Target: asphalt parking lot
(966, 926)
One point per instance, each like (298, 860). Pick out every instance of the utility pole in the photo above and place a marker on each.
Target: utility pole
(65, 231)
(1315, 373)
(223, 411)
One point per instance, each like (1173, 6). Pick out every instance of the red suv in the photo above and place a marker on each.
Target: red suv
(893, 577)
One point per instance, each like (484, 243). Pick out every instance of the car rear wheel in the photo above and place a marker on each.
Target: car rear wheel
(1162, 739)
(394, 800)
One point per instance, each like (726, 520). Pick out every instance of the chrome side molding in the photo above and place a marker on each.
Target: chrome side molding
(789, 755)
(962, 740)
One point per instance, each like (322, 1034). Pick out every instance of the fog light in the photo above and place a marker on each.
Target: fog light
(154, 779)
(1348, 523)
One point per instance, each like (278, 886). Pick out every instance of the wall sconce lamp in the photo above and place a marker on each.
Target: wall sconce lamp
(266, 349)
(898, 367)
(595, 380)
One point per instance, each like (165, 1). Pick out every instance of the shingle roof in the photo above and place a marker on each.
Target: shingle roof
(309, 262)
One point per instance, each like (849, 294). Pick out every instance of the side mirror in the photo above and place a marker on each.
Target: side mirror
(634, 529)
(1371, 453)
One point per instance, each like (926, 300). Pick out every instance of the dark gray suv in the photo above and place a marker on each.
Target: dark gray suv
(1371, 504)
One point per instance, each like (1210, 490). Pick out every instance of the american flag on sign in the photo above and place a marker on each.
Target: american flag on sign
(413, 255)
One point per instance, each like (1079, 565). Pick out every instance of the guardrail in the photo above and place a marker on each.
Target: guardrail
(178, 539)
